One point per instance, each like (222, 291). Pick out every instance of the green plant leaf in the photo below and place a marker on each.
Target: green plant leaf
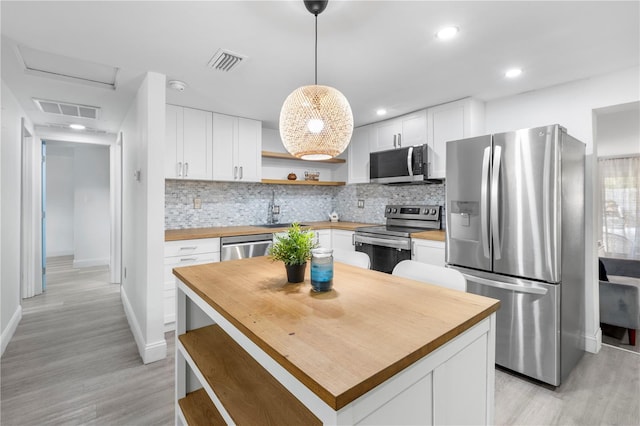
(294, 248)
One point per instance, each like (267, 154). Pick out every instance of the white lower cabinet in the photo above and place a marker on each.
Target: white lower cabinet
(342, 239)
(427, 251)
(323, 238)
(184, 253)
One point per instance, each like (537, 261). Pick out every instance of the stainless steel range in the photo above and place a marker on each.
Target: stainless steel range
(390, 244)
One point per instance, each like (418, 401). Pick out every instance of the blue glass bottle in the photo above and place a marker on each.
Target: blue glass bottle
(321, 269)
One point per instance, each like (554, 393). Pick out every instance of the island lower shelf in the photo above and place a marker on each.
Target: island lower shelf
(228, 371)
(229, 366)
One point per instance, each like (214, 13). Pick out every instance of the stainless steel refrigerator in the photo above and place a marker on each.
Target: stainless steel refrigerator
(515, 229)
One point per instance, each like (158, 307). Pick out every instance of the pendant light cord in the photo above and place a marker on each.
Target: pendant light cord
(316, 79)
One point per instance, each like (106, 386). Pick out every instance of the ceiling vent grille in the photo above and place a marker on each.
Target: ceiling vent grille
(67, 109)
(226, 60)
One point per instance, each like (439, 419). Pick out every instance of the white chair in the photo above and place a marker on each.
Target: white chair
(355, 258)
(431, 274)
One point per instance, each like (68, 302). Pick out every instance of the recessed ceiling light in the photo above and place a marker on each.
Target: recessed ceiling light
(513, 72)
(447, 32)
(77, 126)
(381, 111)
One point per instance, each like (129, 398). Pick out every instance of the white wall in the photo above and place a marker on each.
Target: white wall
(618, 131)
(572, 105)
(143, 217)
(10, 171)
(91, 206)
(59, 201)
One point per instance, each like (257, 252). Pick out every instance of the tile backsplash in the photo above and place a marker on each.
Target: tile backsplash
(234, 203)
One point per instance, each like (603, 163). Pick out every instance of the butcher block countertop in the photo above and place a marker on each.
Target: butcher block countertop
(231, 231)
(342, 343)
(439, 235)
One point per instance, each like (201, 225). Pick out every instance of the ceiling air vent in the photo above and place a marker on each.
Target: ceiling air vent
(67, 109)
(225, 60)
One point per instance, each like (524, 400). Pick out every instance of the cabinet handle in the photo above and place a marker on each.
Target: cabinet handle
(189, 248)
(413, 249)
(240, 172)
(186, 169)
(399, 140)
(235, 172)
(179, 171)
(188, 259)
(353, 239)
(395, 137)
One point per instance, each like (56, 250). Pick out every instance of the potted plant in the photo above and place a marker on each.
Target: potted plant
(294, 249)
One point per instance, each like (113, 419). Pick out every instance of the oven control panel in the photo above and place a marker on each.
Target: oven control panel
(413, 212)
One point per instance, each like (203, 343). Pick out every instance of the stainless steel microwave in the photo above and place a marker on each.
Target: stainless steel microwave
(400, 165)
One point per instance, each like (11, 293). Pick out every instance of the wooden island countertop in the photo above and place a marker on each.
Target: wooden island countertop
(343, 343)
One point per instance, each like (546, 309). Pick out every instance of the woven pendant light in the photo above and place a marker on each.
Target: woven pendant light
(316, 122)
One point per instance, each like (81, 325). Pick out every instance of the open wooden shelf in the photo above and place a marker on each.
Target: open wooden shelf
(302, 182)
(198, 409)
(285, 156)
(246, 390)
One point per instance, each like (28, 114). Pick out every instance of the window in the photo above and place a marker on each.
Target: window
(620, 201)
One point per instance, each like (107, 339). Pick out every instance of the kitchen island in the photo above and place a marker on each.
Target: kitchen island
(253, 349)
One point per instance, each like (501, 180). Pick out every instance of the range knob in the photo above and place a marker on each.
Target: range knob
(395, 210)
(388, 209)
(433, 211)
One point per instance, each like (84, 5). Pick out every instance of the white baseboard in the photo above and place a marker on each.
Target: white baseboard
(149, 352)
(59, 253)
(87, 263)
(593, 344)
(169, 326)
(10, 329)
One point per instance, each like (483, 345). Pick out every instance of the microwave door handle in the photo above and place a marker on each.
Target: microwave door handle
(409, 161)
(495, 219)
(484, 202)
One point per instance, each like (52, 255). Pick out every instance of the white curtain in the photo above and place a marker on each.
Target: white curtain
(620, 201)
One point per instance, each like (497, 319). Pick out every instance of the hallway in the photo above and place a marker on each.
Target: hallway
(73, 358)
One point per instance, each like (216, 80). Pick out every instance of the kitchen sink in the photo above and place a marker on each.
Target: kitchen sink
(278, 225)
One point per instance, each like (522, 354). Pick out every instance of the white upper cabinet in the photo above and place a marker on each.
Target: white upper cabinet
(358, 159)
(249, 155)
(407, 130)
(237, 145)
(188, 143)
(449, 122)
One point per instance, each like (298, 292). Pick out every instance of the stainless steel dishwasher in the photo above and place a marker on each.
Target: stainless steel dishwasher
(244, 246)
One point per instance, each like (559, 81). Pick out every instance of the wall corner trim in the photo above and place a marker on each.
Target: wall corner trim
(148, 352)
(10, 329)
(593, 344)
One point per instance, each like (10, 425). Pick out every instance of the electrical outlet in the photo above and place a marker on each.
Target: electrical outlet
(275, 210)
(361, 204)
(197, 203)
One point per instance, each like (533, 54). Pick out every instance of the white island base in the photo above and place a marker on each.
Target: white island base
(222, 376)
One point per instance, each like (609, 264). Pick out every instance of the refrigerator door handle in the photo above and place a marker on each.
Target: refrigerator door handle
(530, 289)
(495, 219)
(409, 162)
(484, 203)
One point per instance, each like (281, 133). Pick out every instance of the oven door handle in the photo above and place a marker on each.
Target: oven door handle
(403, 245)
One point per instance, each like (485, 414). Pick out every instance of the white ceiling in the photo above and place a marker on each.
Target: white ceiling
(378, 53)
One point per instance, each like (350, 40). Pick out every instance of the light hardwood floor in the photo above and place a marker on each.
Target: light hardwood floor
(73, 360)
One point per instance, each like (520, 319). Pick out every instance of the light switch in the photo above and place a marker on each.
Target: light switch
(361, 204)
(197, 203)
